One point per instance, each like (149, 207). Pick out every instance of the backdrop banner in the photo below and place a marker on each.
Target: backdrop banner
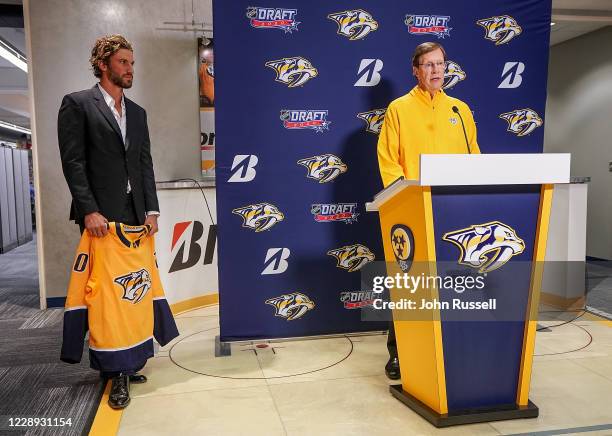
(301, 94)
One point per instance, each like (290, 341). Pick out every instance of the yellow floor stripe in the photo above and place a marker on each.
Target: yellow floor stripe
(107, 419)
(194, 303)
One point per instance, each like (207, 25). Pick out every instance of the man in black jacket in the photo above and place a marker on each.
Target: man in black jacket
(106, 157)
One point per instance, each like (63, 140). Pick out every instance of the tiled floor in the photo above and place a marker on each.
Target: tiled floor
(252, 393)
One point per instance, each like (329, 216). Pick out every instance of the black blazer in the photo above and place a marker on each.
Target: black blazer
(96, 162)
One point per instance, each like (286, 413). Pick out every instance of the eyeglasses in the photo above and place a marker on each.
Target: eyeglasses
(430, 65)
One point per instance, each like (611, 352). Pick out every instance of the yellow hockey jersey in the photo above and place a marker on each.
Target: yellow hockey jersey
(417, 124)
(115, 292)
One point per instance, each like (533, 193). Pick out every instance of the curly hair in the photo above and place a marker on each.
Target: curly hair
(104, 48)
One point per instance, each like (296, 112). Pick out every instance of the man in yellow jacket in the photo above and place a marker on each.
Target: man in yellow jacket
(424, 121)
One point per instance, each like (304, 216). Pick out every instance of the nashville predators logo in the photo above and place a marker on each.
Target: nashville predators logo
(453, 75)
(500, 29)
(294, 71)
(522, 121)
(291, 306)
(374, 119)
(486, 246)
(402, 243)
(259, 217)
(352, 257)
(324, 168)
(354, 24)
(135, 285)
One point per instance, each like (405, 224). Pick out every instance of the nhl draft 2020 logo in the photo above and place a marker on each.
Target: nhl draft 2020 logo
(135, 285)
(305, 119)
(273, 18)
(428, 25)
(325, 213)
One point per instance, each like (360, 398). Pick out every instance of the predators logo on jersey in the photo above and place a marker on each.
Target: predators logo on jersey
(352, 257)
(373, 119)
(500, 29)
(324, 168)
(522, 121)
(135, 285)
(453, 75)
(487, 246)
(259, 217)
(354, 24)
(291, 306)
(293, 72)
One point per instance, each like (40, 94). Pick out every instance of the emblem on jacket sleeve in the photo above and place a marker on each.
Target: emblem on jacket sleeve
(259, 217)
(291, 306)
(135, 285)
(352, 257)
(500, 29)
(487, 246)
(354, 24)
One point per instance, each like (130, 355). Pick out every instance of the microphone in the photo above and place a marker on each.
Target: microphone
(456, 110)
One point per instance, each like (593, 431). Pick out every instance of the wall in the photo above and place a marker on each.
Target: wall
(579, 121)
(59, 37)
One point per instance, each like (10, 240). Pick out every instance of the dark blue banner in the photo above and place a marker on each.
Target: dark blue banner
(301, 91)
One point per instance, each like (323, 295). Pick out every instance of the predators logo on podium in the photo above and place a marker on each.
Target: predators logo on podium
(352, 257)
(293, 72)
(453, 74)
(374, 120)
(487, 246)
(259, 217)
(354, 24)
(291, 306)
(500, 29)
(522, 121)
(135, 285)
(324, 168)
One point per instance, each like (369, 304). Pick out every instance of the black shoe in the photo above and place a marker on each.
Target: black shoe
(120, 392)
(138, 378)
(392, 368)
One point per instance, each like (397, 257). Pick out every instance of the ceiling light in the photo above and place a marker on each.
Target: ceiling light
(13, 56)
(14, 127)
(552, 23)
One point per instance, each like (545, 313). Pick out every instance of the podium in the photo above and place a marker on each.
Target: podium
(480, 216)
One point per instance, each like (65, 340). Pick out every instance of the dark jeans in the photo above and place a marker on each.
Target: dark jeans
(391, 345)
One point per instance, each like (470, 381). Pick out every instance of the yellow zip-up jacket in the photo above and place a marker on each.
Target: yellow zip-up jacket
(416, 124)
